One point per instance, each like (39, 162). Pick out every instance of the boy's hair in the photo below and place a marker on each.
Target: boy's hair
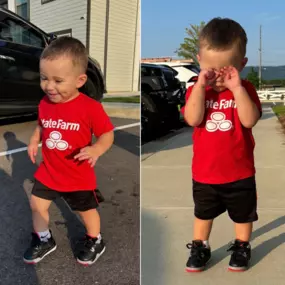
(222, 34)
(67, 46)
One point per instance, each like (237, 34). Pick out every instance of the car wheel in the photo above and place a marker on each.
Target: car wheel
(93, 90)
(149, 117)
(174, 117)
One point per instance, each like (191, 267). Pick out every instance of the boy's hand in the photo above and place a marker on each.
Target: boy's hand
(231, 77)
(33, 151)
(207, 77)
(89, 153)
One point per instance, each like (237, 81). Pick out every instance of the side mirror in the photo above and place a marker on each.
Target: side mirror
(51, 38)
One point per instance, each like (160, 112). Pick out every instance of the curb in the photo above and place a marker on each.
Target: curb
(123, 110)
(121, 94)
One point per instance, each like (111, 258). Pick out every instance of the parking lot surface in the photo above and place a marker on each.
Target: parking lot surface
(118, 180)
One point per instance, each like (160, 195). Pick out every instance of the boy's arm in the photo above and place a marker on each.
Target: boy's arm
(248, 105)
(103, 129)
(103, 143)
(36, 136)
(194, 109)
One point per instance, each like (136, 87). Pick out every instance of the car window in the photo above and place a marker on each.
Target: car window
(150, 71)
(173, 70)
(192, 67)
(144, 71)
(17, 32)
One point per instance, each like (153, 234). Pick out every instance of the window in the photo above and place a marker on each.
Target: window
(22, 8)
(46, 1)
(4, 4)
(192, 67)
(17, 32)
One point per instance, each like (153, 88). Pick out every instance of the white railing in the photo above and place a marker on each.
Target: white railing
(271, 96)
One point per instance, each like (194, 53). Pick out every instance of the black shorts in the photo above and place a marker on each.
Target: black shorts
(238, 198)
(78, 200)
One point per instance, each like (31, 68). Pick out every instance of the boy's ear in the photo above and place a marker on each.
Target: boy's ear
(244, 62)
(198, 57)
(81, 80)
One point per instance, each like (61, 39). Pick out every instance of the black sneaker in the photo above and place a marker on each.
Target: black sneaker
(241, 254)
(199, 256)
(90, 250)
(38, 249)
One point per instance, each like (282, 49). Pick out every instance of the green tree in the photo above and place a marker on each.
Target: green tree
(252, 76)
(189, 48)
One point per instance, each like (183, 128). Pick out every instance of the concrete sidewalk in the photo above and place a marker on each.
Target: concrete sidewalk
(167, 214)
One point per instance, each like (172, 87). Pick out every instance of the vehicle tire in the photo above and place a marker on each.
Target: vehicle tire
(150, 118)
(93, 89)
(174, 116)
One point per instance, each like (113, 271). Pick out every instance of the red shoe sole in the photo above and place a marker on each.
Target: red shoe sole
(236, 270)
(194, 270)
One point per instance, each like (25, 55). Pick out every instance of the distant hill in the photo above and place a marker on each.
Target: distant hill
(268, 72)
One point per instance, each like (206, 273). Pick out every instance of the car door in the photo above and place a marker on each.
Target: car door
(20, 50)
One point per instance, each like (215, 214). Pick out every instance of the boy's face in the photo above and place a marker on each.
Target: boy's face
(213, 59)
(60, 79)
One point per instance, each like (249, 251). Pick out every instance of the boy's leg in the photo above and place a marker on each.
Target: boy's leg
(207, 207)
(241, 201)
(93, 246)
(42, 241)
(91, 220)
(243, 231)
(202, 229)
(40, 213)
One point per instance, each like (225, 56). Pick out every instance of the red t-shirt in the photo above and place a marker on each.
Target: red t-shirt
(222, 147)
(67, 128)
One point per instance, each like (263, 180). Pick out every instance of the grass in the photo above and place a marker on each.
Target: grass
(279, 110)
(132, 99)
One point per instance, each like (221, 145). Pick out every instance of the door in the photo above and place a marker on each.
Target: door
(20, 50)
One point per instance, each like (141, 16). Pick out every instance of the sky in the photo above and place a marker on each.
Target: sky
(163, 24)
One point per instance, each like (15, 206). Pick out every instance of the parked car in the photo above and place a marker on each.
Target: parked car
(185, 71)
(161, 94)
(21, 44)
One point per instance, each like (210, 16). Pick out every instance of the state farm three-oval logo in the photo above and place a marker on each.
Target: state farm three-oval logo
(55, 141)
(218, 122)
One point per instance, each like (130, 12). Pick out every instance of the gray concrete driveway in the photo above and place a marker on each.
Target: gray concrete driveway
(167, 213)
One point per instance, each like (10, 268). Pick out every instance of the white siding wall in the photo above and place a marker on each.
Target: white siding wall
(97, 30)
(12, 5)
(137, 55)
(121, 44)
(61, 15)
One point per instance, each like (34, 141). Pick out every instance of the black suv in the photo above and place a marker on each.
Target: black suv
(21, 44)
(161, 94)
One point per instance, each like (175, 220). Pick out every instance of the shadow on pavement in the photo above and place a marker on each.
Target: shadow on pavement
(152, 250)
(15, 228)
(179, 139)
(19, 214)
(75, 229)
(128, 142)
(259, 252)
(267, 114)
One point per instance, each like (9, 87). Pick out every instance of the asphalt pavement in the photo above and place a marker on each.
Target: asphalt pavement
(118, 179)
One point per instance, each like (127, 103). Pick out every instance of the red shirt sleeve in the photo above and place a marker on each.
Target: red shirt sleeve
(187, 96)
(100, 121)
(252, 94)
